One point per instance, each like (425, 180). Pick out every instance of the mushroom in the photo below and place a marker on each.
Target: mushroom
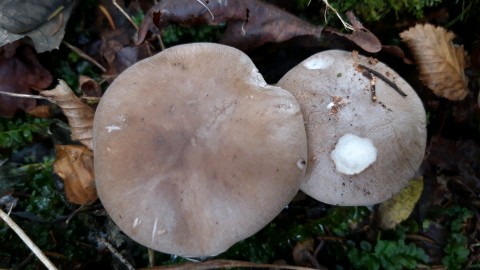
(365, 139)
(194, 151)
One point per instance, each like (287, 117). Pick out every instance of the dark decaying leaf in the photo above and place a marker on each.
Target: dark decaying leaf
(251, 23)
(18, 74)
(117, 49)
(119, 52)
(42, 21)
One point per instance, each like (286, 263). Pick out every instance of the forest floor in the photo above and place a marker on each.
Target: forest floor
(442, 231)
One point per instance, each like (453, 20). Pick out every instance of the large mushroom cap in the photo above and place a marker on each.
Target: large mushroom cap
(194, 151)
(361, 151)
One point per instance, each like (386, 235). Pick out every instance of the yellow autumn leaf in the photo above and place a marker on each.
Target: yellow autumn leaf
(74, 164)
(79, 115)
(399, 207)
(441, 63)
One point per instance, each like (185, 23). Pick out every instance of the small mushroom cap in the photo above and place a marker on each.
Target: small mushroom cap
(195, 152)
(336, 100)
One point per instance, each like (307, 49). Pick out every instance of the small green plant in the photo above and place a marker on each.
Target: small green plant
(375, 10)
(386, 254)
(456, 250)
(174, 34)
(20, 131)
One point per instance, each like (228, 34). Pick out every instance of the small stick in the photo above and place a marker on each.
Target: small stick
(125, 14)
(84, 56)
(108, 16)
(372, 79)
(55, 12)
(115, 253)
(34, 248)
(385, 79)
(23, 95)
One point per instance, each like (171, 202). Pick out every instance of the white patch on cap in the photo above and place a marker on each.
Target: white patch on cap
(353, 154)
(154, 229)
(112, 128)
(136, 222)
(318, 62)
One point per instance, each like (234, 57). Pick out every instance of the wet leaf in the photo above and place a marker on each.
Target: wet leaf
(42, 22)
(400, 206)
(80, 115)
(250, 23)
(74, 164)
(440, 62)
(20, 71)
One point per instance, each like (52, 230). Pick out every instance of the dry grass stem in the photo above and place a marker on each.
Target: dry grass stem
(85, 56)
(23, 95)
(27, 240)
(125, 14)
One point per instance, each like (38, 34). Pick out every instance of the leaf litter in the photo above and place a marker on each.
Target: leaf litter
(250, 23)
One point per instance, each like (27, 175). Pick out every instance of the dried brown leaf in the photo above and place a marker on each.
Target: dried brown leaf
(74, 164)
(80, 115)
(440, 62)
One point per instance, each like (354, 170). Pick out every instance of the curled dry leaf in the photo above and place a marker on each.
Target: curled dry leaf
(74, 164)
(80, 115)
(440, 62)
(400, 206)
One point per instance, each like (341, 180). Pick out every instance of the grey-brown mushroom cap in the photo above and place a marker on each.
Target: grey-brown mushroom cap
(194, 151)
(336, 100)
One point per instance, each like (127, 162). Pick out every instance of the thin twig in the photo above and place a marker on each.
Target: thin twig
(23, 95)
(125, 14)
(385, 79)
(160, 41)
(222, 264)
(107, 16)
(84, 56)
(115, 253)
(205, 6)
(56, 12)
(27, 241)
